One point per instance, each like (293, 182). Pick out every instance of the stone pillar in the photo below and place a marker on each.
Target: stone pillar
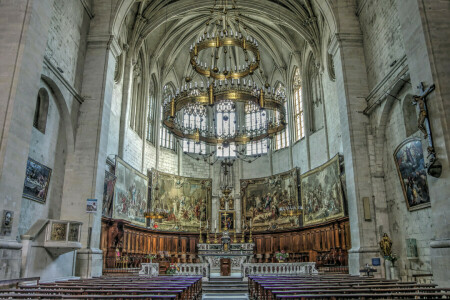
(425, 27)
(24, 26)
(351, 85)
(85, 168)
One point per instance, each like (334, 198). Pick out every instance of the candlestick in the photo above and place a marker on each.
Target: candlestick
(235, 240)
(250, 237)
(243, 232)
(200, 240)
(215, 237)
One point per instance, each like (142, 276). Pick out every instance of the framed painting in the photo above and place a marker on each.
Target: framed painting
(227, 221)
(130, 194)
(265, 199)
(37, 181)
(412, 173)
(321, 193)
(183, 201)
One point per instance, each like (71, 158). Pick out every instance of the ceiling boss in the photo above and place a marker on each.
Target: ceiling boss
(226, 56)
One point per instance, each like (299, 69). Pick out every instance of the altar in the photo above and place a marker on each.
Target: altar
(225, 255)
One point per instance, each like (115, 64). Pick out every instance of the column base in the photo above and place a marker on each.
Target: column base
(10, 259)
(89, 263)
(440, 262)
(359, 257)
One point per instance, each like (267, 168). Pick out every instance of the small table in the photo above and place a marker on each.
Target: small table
(368, 271)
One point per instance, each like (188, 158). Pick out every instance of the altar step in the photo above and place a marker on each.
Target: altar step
(224, 287)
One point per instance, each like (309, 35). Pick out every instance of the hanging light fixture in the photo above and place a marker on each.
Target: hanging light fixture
(226, 55)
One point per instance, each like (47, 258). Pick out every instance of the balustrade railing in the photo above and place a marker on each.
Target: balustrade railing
(302, 268)
(200, 269)
(149, 269)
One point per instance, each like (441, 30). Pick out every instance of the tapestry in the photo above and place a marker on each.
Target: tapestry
(264, 201)
(37, 180)
(321, 193)
(130, 194)
(183, 201)
(412, 172)
(108, 193)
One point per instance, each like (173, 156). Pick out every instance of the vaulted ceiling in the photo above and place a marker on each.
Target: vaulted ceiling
(165, 29)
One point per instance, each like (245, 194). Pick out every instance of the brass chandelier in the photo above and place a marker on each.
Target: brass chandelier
(225, 55)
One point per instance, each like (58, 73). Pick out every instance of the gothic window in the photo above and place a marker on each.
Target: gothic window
(167, 140)
(255, 122)
(150, 117)
(137, 109)
(299, 122)
(194, 118)
(226, 127)
(281, 139)
(41, 110)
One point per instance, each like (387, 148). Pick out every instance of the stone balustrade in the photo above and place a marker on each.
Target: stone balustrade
(200, 269)
(278, 269)
(149, 269)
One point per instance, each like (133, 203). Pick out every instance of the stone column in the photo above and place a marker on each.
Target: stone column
(425, 27)
(24, 26)
(85, 168)
(351, 84)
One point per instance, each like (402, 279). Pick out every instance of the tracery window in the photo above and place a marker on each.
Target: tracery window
(255, 120)
(194, 117)
(299, 122)
(167, 140)
(226, 126)
(150, 117)
(281, 140)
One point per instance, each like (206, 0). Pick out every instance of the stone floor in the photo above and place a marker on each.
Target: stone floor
(224, 287)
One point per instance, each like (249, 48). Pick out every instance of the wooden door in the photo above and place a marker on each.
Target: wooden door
(225, 267)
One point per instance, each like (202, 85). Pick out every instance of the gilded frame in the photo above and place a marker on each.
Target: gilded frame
(304, 178)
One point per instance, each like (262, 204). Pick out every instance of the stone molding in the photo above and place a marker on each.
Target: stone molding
(72, 90)
(364, 250)
(14, 245)
(440, 243)
(344, 39)
(109, 41)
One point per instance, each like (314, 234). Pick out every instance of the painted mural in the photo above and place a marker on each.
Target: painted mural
(412, 172)
(321, 193)
(130, 194)
(264, 201)
(183, 201)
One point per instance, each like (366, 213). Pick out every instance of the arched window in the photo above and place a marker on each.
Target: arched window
(41, 110)
(194, 117)
(226, 125)
(167, 140)
(150, 116)
(256, 120)
(282, 138)
(299, 122)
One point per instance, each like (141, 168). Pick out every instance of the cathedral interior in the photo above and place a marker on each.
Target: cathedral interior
(225, 138)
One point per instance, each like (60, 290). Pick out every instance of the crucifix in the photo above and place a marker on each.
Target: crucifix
(434, 167)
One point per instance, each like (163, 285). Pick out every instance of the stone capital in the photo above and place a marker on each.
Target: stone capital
(344, 40)
(109, 41)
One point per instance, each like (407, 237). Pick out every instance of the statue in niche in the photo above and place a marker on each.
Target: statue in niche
(386, 245)
(231, 204)
(222, 203)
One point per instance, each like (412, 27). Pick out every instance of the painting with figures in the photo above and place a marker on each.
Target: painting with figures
(37, 181)
(130, 194)
(183, 201)
(265, 199)
(321, 193)
(413, 174)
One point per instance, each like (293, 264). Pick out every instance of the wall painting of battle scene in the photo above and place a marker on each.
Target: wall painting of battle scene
(183, 201)
(265, 200)
(411, 169)
(321, 193)
(130, 194)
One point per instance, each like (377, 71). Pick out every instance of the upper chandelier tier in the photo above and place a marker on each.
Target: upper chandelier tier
(226, 107)
(224, 37)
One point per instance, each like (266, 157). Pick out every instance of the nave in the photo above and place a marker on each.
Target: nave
(260, 287)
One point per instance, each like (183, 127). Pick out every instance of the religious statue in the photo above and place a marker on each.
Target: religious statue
(420, 101)
(231, 204)
(386, 245)
(222, 203)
